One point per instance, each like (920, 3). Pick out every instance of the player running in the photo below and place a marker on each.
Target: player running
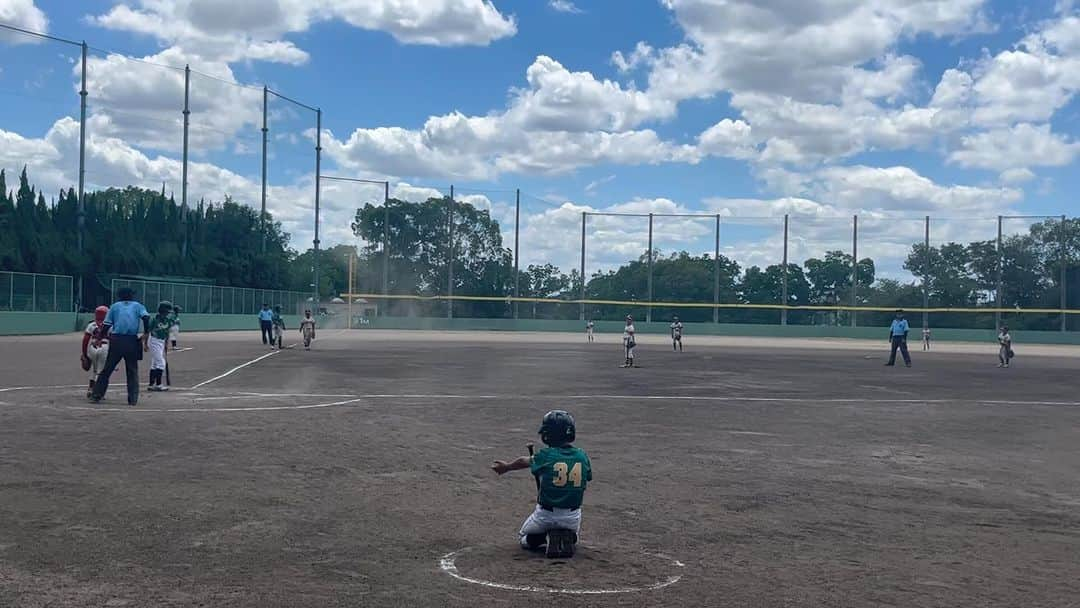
(562, 473)
(629, 342)
(925, 338)
(1005, 351)
(307, 329)
(278, 324)
(590, 329)
(160, 326)
(676, 334)
(95, 347)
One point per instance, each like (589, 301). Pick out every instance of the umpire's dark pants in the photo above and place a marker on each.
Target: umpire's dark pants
(128, 348)
(901, 343)
(267, 328)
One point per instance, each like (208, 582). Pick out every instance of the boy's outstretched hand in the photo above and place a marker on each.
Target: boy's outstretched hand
(501, 467)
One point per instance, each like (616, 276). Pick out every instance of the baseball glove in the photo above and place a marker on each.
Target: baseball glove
(85, 361)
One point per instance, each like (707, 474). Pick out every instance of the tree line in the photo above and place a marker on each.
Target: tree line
(135, 231)
(956, 275)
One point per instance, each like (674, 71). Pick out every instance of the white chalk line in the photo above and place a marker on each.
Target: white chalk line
(33, 388)
(447, 564)
(184, 410)
(235, 369)
(351, 399)
(269, 396)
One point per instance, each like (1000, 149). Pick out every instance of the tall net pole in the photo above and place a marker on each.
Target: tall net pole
(265, 131)
(386, 242)
(187, 124)
(1000, 270)
(926, 272)
(517, 249)
(318, 180)
(854, 269)
(648, 311)
(584, 215)
(1064, 301)
(82, 164)
(716, 272)
(784, 284)
(450, 260)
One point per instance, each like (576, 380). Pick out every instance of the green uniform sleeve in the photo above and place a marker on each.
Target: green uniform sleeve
(539, 461)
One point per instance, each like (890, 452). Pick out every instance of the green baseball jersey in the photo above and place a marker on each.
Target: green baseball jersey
(160, 325)
(563, 474)
(277, 320)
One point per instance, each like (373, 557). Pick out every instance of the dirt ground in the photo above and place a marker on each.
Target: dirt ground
(737, 473)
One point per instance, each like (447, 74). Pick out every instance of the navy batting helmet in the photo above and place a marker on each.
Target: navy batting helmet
(557, 428)
(164, 307)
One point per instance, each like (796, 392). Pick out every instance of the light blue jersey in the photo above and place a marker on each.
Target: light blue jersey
(126, 317)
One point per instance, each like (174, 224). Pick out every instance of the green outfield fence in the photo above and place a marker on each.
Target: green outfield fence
(211, 299)
(30, 292)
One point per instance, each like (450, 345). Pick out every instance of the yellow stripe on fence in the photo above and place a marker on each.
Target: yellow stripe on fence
(638, 303)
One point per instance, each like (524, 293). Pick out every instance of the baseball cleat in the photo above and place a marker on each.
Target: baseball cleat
(561, 544)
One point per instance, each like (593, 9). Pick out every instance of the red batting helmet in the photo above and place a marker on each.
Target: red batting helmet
(100, 312)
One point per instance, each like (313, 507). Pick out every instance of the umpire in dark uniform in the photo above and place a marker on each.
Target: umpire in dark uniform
(898, 333)
(122, 326)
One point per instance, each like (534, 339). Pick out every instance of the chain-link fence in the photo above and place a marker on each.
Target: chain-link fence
(214, 300)
(26, 292)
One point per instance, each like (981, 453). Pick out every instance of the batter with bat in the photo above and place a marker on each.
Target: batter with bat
(562, 472)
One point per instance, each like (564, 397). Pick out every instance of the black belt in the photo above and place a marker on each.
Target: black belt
(547, 508)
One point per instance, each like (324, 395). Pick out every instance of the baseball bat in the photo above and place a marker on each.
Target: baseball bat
(530, 446)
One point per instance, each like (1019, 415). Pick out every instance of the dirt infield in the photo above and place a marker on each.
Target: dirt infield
(733, 474)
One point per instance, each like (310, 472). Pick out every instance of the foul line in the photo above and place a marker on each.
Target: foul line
(351, 399)
(448, 565)
(237, 368)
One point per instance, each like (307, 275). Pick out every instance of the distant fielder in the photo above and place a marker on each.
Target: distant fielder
(925, 338)
(562, 473)
(1005, 351)
(307, 329)
(590, 329)
(629, 342)
(676, 334)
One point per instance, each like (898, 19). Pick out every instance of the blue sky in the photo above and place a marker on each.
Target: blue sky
(889, 109)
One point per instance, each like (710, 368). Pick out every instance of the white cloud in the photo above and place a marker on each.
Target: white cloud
(231, 31)
(1023, 145)
(562, 121)
(642, 54)
(24, 14)
(1016, 176)
(731, 138)
(141, 103)
(592, 186)
(826, 45)
(900, 189)
(564, 6)
(1034, 80)
(560, 100)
